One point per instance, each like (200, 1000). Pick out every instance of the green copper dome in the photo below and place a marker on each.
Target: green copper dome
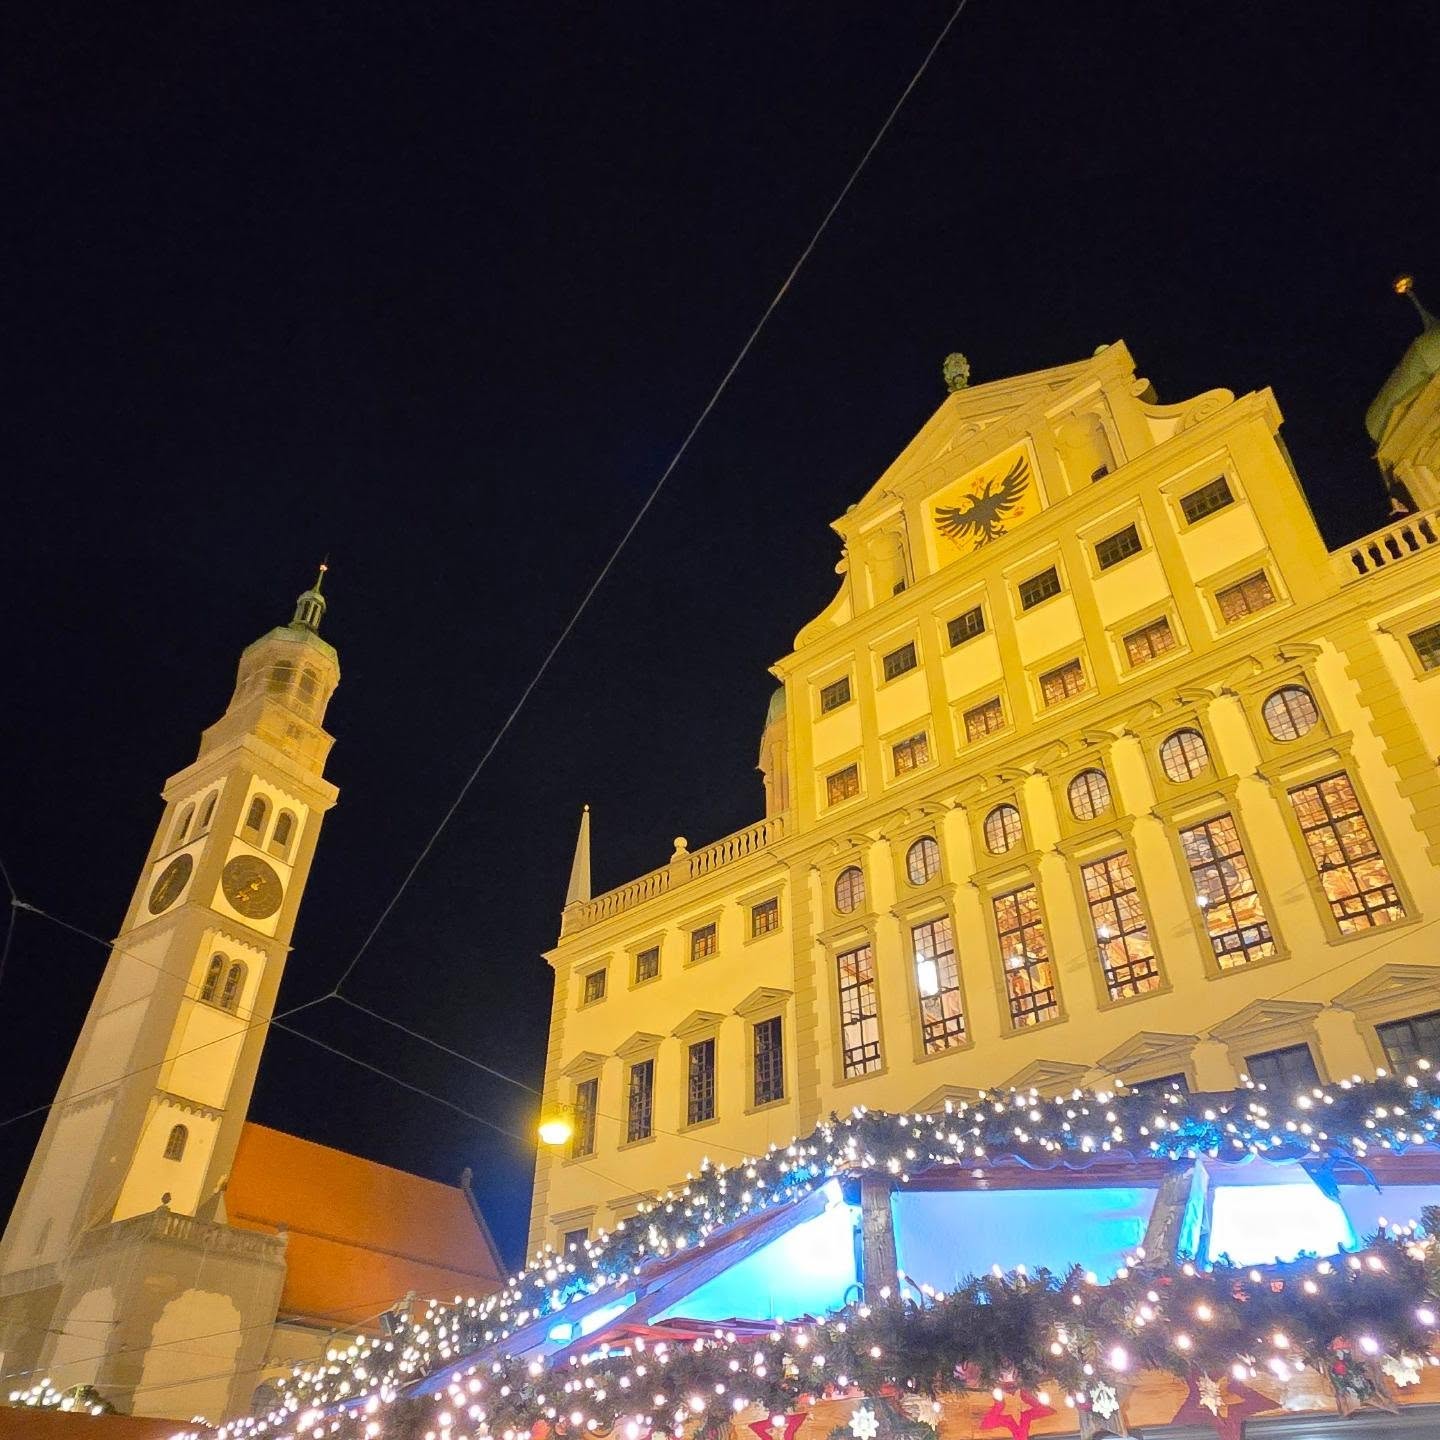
(1417, 365)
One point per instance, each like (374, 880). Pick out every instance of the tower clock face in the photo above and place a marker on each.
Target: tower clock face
(169, 883)
(252, 887)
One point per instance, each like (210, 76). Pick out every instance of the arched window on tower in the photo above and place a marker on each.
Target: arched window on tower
(309, 687)
(255, 818)
(207, 811)
(281, 674)
(211, 988)
(234, 984)
(182, 826)
(284, 835)
(175, 1145)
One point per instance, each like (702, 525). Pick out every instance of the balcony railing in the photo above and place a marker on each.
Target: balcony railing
(1389, 546)
(684, 865)
(188, 1230)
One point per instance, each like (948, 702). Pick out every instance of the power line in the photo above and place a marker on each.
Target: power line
(654, 494)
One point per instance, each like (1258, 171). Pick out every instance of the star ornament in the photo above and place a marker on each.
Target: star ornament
(1221, 1402)
(1015, 1411)
(1104, 1401)
(863, 1423)
(779, 1427)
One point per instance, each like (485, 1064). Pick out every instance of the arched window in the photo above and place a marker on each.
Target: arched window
(234, 984)
(175, 1145)
(182, 826)
(1089, 794)
(207, 811)
(1290, 712)
(1002, 829)
(284, 833)
(211, 988)
(309, 687)
(1183, 755)
(281, 674)
(257, 815)
(922, 860)
(849, 889)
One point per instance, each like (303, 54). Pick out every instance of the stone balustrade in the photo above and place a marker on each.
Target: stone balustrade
(685, 865)
(168, 1225)
(1383, 548)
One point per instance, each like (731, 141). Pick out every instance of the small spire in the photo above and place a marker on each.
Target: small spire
(1405, 285)
(310, 607)
(579, 888)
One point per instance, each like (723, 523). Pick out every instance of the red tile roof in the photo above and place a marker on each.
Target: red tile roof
(361, 1235)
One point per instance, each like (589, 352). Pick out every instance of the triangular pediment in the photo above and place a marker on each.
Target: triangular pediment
(698, 1022)
(584, 1064)
(761, 999)
(934, 1102)
(640, 1043)
(981, 420)
(1263, 1016)
(1403, 989)
(1148, 1048)
(1049, 1077)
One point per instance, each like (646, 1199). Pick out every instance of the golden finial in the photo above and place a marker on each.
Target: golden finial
(1405, 285)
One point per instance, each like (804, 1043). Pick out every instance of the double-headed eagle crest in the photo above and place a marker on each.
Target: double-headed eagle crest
(984, 514)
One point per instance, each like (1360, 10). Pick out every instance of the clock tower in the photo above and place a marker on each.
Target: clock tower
(126, 1186)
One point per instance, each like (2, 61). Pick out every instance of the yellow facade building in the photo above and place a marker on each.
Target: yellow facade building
(1100, 766)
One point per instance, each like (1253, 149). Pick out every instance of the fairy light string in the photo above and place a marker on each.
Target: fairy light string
(1168, 1317)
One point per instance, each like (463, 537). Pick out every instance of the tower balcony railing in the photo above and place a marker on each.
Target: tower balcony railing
(1388, 547)
(685, 865)
(190, 1231)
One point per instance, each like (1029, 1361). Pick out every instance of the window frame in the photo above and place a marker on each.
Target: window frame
(695, 951)
(1144, 630)
(1029, 604)
(857, 1009)
(909, 845)
(1098, 812)
(1310, 1050)
(850, 768)
(1072, 663)
(640, 1065)
(824, 691)
(639, 953)
(889, 675)
(858, 902)
(1018, 883)
(176, 1142)
(701, 1043)
(756, 1025)
(771, 905)
(943, 1024)
(919, 740)
(1009, 824)
(969, 634)
(584, 1117)
(1281, 692)
(1231, 497)
(591, 973)
(1239, 587)
(992, 704)
(1121, 554)
(1091, 903)
(1226, 808)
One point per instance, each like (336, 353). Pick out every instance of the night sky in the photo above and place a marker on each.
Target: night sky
(436, 289)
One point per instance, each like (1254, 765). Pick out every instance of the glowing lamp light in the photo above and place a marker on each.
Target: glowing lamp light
(556, 1128)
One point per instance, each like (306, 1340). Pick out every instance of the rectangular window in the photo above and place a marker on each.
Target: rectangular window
(587, 1094)
(1025, 954)
(1117, 547)
(1427, 647)
(1149, 641)
(1353, 872)
(704, 941)
(700, 1083)
(984, 719)
(1244, 597)
(969, 625)
(1062, 682)
(764, 917)
(859, 1014)
(937, 979)
(575, 1238)
(1290, 1069)
(647, 964)
(1225, 890)
(833, 696)
(1161, 1085)
(769, 1061)
(1039, 587)
(842, 784)
(640, 1112)
(897, 662)
(1407, 1041)
(1206, 500)
(594, 987)
(1122, 936)
(911, 754)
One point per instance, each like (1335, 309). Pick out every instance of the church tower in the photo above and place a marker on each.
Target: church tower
(99, 1281)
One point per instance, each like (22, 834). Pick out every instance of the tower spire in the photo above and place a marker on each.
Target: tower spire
(310, 607)
(1405, 285)
(579, 887)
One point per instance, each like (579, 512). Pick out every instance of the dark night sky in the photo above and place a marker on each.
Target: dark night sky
(437, 288)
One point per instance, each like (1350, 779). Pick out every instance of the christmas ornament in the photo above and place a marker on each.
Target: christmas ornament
(779, 1427)
(863, 1424)
(1222, 1403)
(1015, 1411)
(1357, 1382)
(1402, 1369)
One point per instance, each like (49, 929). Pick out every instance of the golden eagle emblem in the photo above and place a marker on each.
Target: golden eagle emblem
(984, 514)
